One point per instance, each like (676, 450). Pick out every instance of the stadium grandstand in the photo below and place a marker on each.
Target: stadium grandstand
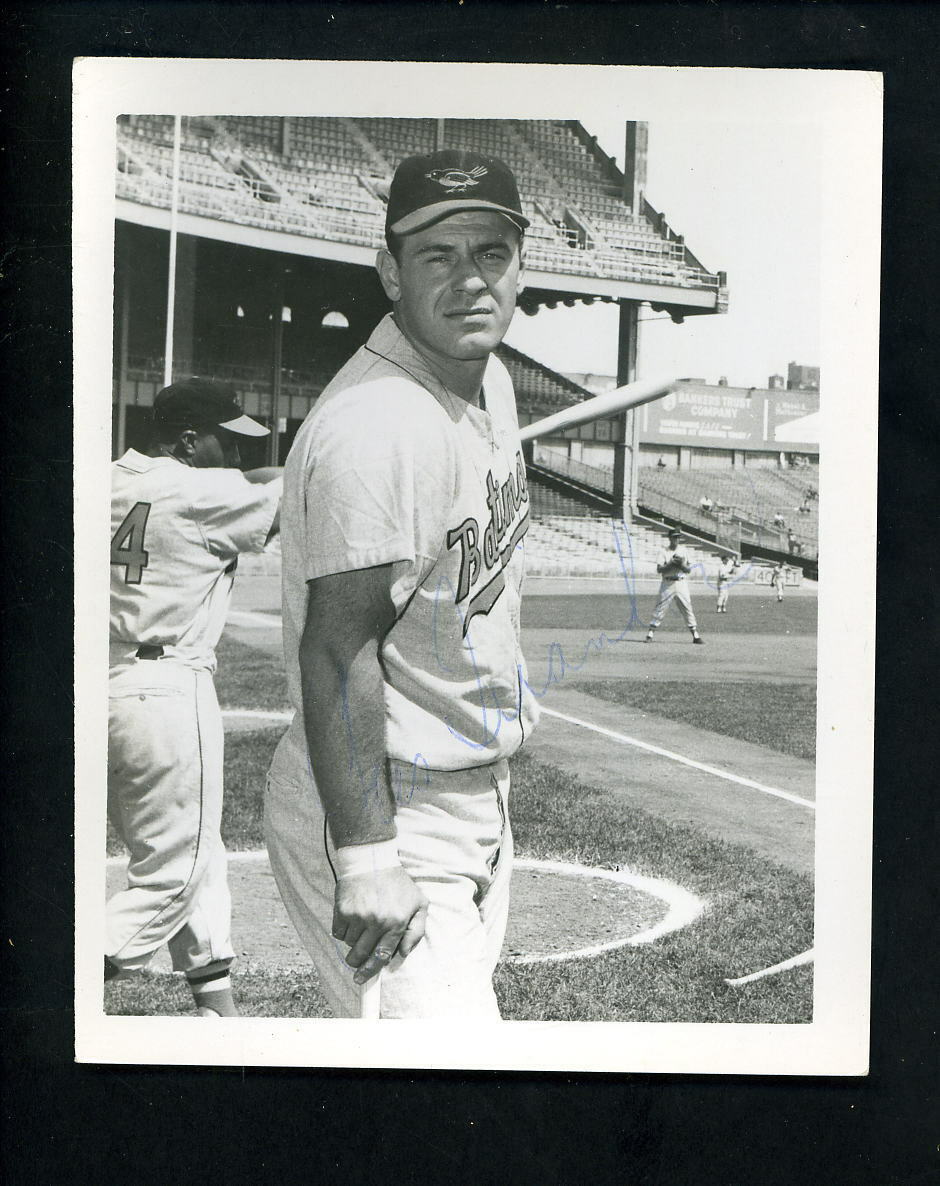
(742, 463)
(274, 223)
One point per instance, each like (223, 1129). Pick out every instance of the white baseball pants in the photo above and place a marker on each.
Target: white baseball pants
(678, 590)
(722, 595)
(454, 839)
(165, 745)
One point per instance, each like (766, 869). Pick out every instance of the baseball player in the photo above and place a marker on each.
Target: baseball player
(405, 509)
(180, 515)
(778, 578)
(726, 569)
(673, 569)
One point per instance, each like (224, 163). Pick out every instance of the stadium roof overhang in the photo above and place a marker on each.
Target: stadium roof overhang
(247, 236)
(543, 288)
(552, 289)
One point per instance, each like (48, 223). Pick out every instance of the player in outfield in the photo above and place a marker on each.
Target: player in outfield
(405, 509)
(726, 570)
(180, 515)
(778, 578)
(674, 569)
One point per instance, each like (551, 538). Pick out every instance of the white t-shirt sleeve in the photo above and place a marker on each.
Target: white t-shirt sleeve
(233, 514)
(380, 484)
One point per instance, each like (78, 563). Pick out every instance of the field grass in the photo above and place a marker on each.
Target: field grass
(249, 678)
(757, 915)
(752, 614)
(779, 716)
(271, 993)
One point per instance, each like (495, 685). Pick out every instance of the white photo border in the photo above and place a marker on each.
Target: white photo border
(847, 107)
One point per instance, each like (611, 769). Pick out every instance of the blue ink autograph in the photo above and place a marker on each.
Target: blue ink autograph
(369, 777)
(560, 666)
(493, 712)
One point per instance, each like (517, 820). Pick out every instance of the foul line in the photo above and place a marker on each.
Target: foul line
(260, 714)
(795, 961)
(665, 753)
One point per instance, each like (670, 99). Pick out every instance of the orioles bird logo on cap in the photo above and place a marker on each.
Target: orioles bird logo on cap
(456, 181)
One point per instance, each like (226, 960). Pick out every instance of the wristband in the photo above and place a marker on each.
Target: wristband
(355, 859)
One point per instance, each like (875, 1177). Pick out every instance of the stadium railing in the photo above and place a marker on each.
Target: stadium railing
(750, 524)
(594, 476)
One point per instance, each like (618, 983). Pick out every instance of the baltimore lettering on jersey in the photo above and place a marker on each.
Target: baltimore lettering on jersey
(480, 555)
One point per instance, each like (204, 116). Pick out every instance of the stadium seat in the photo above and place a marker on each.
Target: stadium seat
(314, 168)
(751, 494)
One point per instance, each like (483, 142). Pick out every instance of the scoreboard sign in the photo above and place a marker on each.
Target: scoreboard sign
(722, 417)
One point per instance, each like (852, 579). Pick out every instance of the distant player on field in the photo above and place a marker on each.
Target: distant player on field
(180, 515)
(674, 570)
(778, 578)
(726, 569)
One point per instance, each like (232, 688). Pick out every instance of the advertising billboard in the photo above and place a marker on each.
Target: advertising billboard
(718, 417)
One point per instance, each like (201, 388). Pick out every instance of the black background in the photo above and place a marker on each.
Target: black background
(100, 1124)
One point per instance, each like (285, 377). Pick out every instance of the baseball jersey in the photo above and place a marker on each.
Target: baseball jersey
(725, 571)
(667, 560)
(176, 532)
(392, 468)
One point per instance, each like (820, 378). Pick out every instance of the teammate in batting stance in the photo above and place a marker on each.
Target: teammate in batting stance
(180, 515)
(674, 569)
(405, 508)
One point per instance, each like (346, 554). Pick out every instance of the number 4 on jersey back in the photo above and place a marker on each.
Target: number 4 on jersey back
(127, 545)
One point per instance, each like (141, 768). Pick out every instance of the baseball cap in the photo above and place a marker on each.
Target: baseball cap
(674, 533)
(428, 188)
(204, 403)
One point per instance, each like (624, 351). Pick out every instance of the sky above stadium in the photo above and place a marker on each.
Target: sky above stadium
(747, 198)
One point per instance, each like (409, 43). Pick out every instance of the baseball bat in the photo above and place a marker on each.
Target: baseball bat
(370, 998)
(643, 391)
